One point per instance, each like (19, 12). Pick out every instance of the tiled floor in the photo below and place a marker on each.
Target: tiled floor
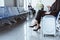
(32, 35)
(16, 33)
(24, 32)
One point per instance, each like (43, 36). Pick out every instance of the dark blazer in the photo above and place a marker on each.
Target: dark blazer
(58, 5)
(55, 8)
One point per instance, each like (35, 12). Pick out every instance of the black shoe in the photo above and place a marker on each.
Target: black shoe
(37, 29)
(33, 25)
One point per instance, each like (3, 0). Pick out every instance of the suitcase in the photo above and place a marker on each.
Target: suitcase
(49, 25)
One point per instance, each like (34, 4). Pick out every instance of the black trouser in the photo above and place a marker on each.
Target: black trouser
(42, 13)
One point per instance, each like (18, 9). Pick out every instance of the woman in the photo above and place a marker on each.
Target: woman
(54, 9)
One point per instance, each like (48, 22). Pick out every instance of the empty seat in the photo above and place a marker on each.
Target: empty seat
(1, 12)
(5, 13)
(13, 10)
(11, 14)
(20, 9)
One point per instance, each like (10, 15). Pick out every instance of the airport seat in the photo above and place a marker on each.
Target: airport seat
(12, 15)
(18, 15)
(6, 16)
(15, 13)
(12, 20)
(1, 12)
(6, 22)
(9, 15)
(20, 9)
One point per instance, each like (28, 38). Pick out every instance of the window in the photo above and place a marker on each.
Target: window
(1, 2)
(20, 3)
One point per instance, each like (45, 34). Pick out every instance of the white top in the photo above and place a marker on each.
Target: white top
(47, 3)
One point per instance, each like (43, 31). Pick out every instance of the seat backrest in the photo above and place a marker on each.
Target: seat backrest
(6, 13)
(13, 11)
(2, 12)
(20, 9)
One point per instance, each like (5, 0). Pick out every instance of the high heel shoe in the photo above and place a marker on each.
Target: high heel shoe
(33, 25)
(37, 29)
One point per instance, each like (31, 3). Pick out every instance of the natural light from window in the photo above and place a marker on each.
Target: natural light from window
(1, 2)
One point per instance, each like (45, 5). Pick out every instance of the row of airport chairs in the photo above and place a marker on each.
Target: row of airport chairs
(9, 15)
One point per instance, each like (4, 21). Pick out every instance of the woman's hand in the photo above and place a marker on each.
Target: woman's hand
(47, 12)
(48, 7)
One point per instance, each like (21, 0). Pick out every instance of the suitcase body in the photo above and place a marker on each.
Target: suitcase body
(49, 25)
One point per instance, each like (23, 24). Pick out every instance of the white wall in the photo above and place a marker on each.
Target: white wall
(34, 4)
(20, 3)
(9, 2)
(26, 2)
(45, 2)
(1, 2)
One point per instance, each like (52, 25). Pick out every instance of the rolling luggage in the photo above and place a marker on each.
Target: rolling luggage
(49, 25)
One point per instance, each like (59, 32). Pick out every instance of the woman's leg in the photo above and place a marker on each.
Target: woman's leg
(37, 27)
(38, 19)
(33, 23)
